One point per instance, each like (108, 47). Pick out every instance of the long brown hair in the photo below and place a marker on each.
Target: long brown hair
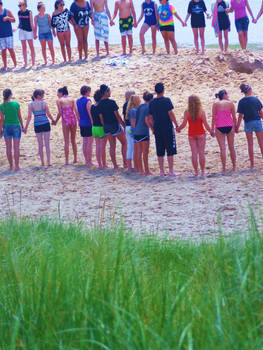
(194, 106)
(133, 102)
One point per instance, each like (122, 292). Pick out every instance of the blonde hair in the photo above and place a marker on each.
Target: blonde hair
(23, 2)
(128, 94)
(194, 106)
(134, 102)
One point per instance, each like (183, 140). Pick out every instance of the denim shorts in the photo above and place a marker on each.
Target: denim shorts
(45, 36)
(242, 24)
(254, 125)
(12, 131)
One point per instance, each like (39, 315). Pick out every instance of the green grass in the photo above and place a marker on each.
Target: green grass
(67, 287)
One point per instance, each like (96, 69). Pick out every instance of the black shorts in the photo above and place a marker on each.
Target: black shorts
(141, 138)
(85, 131)
(167, 29)
(223, 23)
(42, 128)
(198, 21)
(165, 141)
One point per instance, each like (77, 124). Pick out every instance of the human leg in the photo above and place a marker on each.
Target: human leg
(67, 36)
(112, 141)
(98, 151)
(220, 41)
(143, 30)
(40, 147)
(249, 136)
(47, 146)
(43, 44)
(130, 41)
(13, 56)
(202, 39)
(226, 39)
(130, 147)
(195, 32)
(51, 49)
(61, 40)
(145, 154)
(4, 58)
(122, 138)
(221, 139)
(66, 132)
(73, 131)
(8, 143)
(166, 41)
(260, 140)
(103, 143)
(17, 153)
(78, 32)
(154, 30)
(123, 43)
(89, 151)
(193, 145)
(242, 40)
(231, 147)
(85, 32)
(32, 51)
(24, 50)
(201, 141)
(173, 42)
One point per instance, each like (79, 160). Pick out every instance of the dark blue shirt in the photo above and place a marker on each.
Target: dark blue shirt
(149, 13)
(5, 27)
(159, 108)
(250, 107)
(81, 14)
(84, 118)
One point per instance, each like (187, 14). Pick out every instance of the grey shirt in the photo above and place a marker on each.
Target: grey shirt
(140, 127)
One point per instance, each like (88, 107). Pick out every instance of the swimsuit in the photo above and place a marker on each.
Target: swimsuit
(126, 24)
(81, 14)
(68, 116)
(149, 13)
(195, 127)
(41, 122)
(60, 21)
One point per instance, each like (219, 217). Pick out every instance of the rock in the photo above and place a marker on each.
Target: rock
(242, 62)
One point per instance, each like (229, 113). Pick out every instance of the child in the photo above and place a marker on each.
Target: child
(130, 115)
(85, 123)
(251, 109)
(127, 20)
(196, 118)
(101, 18)
(221, 23)
(26, 29)
(149, 10)
(39, 108)
(196, 10)
(98, 132)
(43, 23)
(141, 136)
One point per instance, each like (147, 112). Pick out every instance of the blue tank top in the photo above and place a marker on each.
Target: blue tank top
(43, 24)
(84, 118)
(149, 13)
(5, 27)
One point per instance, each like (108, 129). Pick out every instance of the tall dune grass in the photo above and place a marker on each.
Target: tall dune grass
(67, 287)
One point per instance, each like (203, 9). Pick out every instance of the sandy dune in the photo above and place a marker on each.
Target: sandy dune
(183, 206)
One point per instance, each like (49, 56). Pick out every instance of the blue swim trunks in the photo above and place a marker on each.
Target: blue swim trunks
(12, 131)
(253, 125)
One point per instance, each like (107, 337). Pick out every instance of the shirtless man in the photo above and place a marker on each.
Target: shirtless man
(101, 14)
(127, 19)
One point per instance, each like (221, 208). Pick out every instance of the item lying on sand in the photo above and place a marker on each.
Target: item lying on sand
(118, 61)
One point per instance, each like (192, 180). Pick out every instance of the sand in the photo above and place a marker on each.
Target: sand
(179, 207)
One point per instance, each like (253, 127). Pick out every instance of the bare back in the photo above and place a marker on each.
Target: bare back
(223, 105)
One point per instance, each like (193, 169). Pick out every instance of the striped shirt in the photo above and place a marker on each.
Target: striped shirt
(40, 115)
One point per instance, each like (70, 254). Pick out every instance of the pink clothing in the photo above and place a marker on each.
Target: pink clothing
(224, 118)
(68, 116)
(239, 8)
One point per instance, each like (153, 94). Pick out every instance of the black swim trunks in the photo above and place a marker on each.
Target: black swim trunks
(126, 24)
(165, 141)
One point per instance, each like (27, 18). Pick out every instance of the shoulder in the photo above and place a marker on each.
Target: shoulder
(15, 103)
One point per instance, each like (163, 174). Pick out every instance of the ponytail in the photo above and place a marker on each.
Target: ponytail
(6, 94)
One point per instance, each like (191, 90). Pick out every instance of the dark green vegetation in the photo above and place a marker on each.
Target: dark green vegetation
(65, 287)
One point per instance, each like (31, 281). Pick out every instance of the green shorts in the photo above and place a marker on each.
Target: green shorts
(98, 131)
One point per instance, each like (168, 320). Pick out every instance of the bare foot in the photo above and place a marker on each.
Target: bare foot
(147, 173)
(116, 167)
(162, 173)
(17, 168)
(172, 174)
(75, 161)
(49, 164)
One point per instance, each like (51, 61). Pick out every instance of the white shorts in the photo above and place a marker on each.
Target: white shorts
(6, 43)
(24, 35)
(127, 32)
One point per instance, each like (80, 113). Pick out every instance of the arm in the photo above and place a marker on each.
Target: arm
(88, 107)
(141, 16)
(29, 116)
(229, 10)
(213, 117)
(250, 12)
(261, 113)
(101, 119)
(32, 23)
(186, 18)
(116, 9)
(240, 116)
(49, 114)
(76, 110)
(59, 111)
(133, 122)
(107, 9)
(179, 18)
(156, 15)
(35, 30)
(183, 125)
(172, 117)
(260, 13)
(149, 122)
(9, 17)
(20, 119)
(133, 14)
(52, 28)
(203, 117)
(118, 117)
(2, 118)
(233, 112)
